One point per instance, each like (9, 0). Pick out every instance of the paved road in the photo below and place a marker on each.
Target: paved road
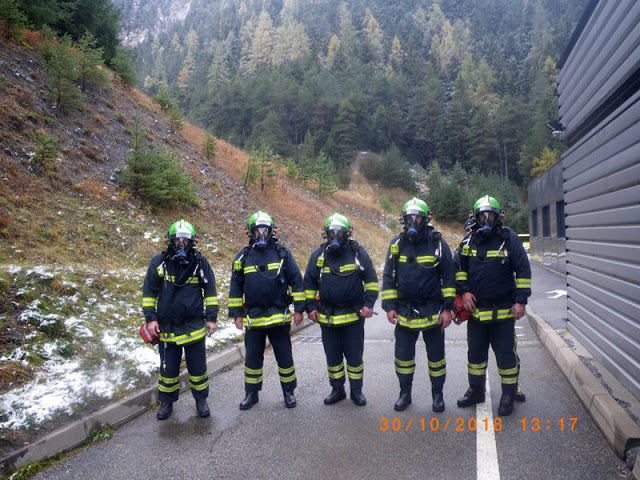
(314, 441)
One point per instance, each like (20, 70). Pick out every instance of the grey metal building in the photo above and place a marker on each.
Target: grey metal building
(585, 211)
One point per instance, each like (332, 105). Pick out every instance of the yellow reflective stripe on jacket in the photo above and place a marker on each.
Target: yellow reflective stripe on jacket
(310, 294)
(299, 296)
(149, 301)
(487, 315)
(472, 252)
(208, 301)
(418, 322)
(448, 292)
(266, 321)
(235, 302)
(523, 283)
(426, 259)
(273, 266)
(337, 319)
(348, 267)
(191, 280)
(389, 294)
(462, 276)
(250, 269)
(402, 259)
(371, 286)
(183, 339)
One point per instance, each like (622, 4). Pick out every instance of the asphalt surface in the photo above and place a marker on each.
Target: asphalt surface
(315, 441)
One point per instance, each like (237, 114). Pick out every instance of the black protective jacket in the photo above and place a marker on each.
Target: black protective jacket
(418, 279)
(264, 282)
(339, 283)
(180, 297)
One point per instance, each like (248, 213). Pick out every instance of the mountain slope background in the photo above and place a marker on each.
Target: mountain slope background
(75, 243)
(448, 81)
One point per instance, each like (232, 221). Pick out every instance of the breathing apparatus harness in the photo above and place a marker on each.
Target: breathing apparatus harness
(400, 242)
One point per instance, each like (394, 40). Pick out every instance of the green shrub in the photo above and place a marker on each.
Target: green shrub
(157, 175)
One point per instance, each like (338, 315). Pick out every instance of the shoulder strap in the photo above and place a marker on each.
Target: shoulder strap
(395, 254)
(284, 255)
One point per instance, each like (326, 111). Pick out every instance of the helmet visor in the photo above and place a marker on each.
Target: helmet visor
(335, 232)
(260, 231)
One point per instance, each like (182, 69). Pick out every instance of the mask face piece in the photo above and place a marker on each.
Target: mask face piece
(181, 247)
(486, 221)
(336, 238)
(413, 223)
(261, 235)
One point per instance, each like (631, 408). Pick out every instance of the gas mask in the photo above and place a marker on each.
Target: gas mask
(487, 223)
(181, 248)
(335, 238)
(414, 224)
(261, 237)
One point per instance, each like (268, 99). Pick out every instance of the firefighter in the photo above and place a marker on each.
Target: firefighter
(265, 280)
(493, 278)
(417, 294)
(460, 315)
(341, 286)
(180, 305)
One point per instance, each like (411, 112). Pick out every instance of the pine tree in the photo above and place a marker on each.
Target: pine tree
(62, 71)
(12, 20)
(341, 144)
(91, 65)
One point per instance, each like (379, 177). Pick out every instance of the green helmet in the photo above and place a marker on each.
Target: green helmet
(260, 219)
(487, 204)
(337, 220)
(337, 230)
(181, 229)
(415, 206)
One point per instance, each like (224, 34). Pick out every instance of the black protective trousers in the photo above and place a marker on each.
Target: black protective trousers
(405, 353)
(502, 338)
(255, 341)
(346, 341)
(170, 358)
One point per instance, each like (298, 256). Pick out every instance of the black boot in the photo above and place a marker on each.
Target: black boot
(358, 398)
(475, 394)
(520, 396)
(289, 400)
(438, 400)
(404, 400)
(202, 407)
(249, 401)
(335, 396)
(506, 405)
(164, 411)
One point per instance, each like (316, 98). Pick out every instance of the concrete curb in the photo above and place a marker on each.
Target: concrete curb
(75, 434)
(615, 424)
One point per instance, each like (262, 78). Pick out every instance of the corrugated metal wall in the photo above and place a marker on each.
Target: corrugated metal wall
(547, 219)
(600, 109)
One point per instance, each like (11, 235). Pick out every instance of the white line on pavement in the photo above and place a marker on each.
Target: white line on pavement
(486, 451)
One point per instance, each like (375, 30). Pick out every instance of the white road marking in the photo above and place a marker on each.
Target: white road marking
(558, 293)
(486, 450)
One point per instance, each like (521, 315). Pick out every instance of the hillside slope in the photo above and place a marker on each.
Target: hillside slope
(76, 244)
